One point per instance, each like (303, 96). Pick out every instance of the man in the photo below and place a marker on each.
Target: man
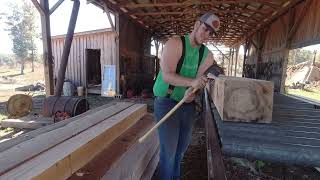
(183, 62)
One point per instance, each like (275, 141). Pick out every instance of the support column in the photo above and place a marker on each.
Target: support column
(236, 61)
(66, 48)
(47, 49)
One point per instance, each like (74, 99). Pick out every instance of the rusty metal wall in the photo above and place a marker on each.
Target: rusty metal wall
(76, 69)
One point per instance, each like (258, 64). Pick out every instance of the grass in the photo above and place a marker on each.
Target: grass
(311, 94)
(10, 78)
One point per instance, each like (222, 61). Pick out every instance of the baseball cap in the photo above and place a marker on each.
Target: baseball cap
(211, 20)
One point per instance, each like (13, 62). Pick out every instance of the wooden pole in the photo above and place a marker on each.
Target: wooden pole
(66, 48)
(236, 63)
(47, 49)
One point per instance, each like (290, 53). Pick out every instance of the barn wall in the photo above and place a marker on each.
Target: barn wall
(76, 71)
(275, 48)
(308, 33)
(135, 61)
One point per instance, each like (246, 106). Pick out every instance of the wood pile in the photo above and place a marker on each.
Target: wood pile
(99, 144)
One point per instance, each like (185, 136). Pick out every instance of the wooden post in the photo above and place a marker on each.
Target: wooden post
(229, 61)
(47, 49)
(236, 61)
(232, 57)
(66, 48)
(157, 44)
(117, 21)
(314, 57)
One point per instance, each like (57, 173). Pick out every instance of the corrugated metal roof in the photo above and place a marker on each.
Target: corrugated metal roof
(292, 137)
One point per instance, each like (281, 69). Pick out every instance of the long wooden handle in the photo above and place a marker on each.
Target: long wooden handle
(165, 117)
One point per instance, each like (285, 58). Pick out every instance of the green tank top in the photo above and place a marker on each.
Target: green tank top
(188, 69)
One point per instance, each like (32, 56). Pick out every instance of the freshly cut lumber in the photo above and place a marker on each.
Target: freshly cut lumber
(45, 141)
(24, 137)
(151, 168)
(62, 160)
(124, 157)
(243, 99)
(133, 163)
(26, 124)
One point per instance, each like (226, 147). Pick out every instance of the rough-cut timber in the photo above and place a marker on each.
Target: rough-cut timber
(124, 157)
(112, 120)
(26, 124)
(243, 99)
(24, 137)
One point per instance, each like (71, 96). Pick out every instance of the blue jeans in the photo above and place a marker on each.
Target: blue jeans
(174, 134)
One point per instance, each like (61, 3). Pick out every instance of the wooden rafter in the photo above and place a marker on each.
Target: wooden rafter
(149, 5)
(190, 12)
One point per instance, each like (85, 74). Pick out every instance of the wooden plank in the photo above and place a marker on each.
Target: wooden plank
(133, 163)
(117, 151)
(243, 99)
(151, 168)
(6, 145)
(47, 140)
(67, 157)
(26, 124)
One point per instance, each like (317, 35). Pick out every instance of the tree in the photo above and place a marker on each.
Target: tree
(22, 28)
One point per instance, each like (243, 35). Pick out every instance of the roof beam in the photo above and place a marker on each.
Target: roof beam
(192, 12)
(284, 8)
(149, 5)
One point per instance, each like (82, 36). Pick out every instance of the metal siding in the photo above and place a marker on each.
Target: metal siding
(292, 137)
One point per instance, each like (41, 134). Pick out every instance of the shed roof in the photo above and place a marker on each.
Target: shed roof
(239, 18)
(83, 33)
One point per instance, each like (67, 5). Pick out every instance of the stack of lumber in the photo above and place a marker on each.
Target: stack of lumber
(27, 122)
(243, 99)
(99, 144)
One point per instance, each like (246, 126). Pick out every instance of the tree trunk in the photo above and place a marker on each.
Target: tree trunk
(22, 68)
(32, 62)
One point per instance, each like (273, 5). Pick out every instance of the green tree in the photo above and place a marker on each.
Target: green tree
(22, 28)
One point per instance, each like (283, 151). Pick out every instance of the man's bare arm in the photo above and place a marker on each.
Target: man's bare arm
(172, 52)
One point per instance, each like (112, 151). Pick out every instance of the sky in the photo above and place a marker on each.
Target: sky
(90, 17)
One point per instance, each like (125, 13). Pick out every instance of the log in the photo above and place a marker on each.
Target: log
(26, 124)
(62, 160)
(243, 99)
(28, 149)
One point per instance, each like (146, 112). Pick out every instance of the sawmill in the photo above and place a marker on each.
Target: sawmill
(244, 115)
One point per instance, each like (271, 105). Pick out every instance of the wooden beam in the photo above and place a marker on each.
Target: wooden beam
(236, 62)
(6, 145)
(190, 3)
(284, 8)
(26, 124)
(243, 99)
(67, 47)
(55, 6)
(72, 154)
(123, 157)
(189, 12)
(47, 49)
(45, 141)
(39, 8)
(302, 14)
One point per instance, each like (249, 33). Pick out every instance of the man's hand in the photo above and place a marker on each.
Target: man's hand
(189, 96)
(199, 83)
